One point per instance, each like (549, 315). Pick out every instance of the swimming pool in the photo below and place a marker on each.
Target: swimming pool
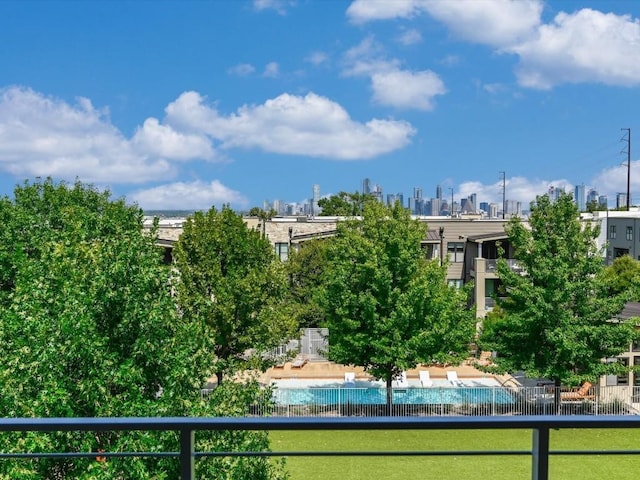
(377, 395)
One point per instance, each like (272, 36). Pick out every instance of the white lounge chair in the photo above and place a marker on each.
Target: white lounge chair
(401, 380)
(299, 362)
(350, 378)
(425, 378)
(452, 376)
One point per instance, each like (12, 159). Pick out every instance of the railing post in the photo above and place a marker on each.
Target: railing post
(187, 457)
(540, 454)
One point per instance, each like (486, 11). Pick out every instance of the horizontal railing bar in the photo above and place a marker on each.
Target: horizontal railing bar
(316, 423)
(594, 452)
(397, 453)
(88, 455)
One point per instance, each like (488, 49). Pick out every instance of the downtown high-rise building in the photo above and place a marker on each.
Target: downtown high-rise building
(366, 186)
(580, 198)
(315, 210)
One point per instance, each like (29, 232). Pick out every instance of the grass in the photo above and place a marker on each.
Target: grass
(589, 467)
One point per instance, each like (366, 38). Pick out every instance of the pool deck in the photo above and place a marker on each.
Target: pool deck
(330, 370)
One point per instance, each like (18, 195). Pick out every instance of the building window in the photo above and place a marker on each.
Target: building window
(282, 251)
(455, 251)
(455, 283)
(612, 231)
(623, 378)
(629, 233)
(620, 252)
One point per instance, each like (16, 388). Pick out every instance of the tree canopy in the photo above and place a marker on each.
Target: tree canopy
(623, 276)
(345, 204)
(556, 320)
(386, 306)
(307, 267)
(88, 329)
(231, 285)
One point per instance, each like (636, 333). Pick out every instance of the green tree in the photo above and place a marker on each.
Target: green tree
(623, 276)
(387, 307)
(230, 283)
(345, 204)
(306, 268)
(88, 329)
(556, 320)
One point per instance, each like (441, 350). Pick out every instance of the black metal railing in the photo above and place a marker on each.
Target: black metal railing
(187, 427)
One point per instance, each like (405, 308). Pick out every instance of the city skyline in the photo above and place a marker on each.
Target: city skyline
(187, 104)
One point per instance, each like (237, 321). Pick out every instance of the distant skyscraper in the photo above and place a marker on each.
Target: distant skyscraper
(603, 201)
(484, 206)
(579, 197)
(417, 192)
(592, 196)
(366, 186)
(434, 207)
(555, 192)
(392, 198)
(315, 200)
(493, 210)
(439, 192)
(474, 200)
(377, 192)
(621, 200)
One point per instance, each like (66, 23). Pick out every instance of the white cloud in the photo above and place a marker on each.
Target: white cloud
(492, 22)
(586, 46)
(498, 23)
(271, 70)
(311, 125)
(361, 11)
(392, 85)
(613, 180)
(517, 189)
(44, 136)
(493, 88)
(410, 37)
(317, 58)
(405, 89)
(280, 6)
(242, 70)
(195, 195)
(162, 141)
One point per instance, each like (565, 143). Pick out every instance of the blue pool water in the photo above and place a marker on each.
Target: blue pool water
(405, 396)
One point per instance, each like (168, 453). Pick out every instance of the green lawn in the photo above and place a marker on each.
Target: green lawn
(495, 468)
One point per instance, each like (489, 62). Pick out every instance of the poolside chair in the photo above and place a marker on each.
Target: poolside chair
(299, 362)
(582, 393)
(425, 379)
(350, 379)
(401, 380)
(452, 376)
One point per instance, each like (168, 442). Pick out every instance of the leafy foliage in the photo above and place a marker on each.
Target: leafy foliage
(345, 204)
(88, 329)
(556, 321)
(230, 286)
(623, 276)
(306, 268)
(387, 307)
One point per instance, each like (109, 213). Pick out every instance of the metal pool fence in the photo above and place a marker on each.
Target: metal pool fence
(444, 401)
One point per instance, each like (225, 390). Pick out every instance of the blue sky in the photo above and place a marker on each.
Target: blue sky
(187, 104)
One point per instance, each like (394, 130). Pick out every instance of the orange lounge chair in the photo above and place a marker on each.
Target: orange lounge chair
(582, 393)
